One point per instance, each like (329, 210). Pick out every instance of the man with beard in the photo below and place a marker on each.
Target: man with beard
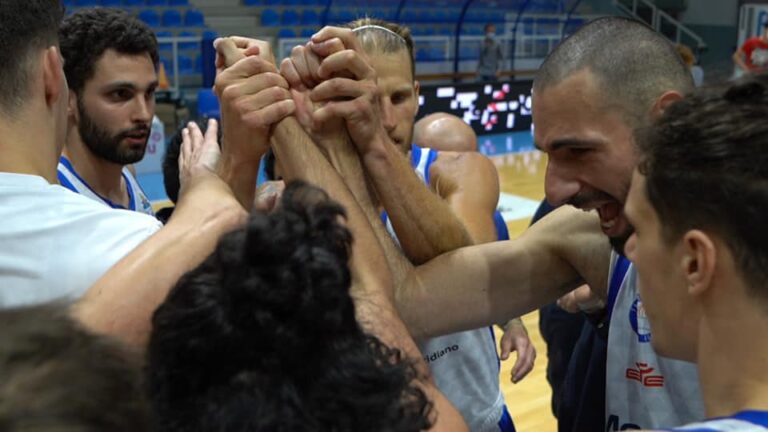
(110, 64)
(588, 101)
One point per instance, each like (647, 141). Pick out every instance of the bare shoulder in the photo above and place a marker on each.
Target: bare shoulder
(575, 236)
(464, 168)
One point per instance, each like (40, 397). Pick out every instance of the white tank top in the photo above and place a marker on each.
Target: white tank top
(643, 390)
(465, 365)
(138, 201)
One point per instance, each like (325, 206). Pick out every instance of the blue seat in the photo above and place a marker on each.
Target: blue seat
(253, 2)
(269, 18)
(199, 64)
(194, 18)
(164, 46)
(271, 2)
(310, 17)
(171, 18)
(210, 34)
(188, 45)
(111, 3)
(133, 3)
(86, 3)
(308, 32)
(208, 104)
(156, 2)
(289, 18)
(290, 2)
(178, 2)
(150, 17)
(286, 33)
(186, 65)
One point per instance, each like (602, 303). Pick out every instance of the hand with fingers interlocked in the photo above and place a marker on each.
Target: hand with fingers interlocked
(199, 154)
(333, 81)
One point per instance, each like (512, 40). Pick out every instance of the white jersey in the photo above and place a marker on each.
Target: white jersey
(644, 390)
(137, 199)
(56, 244)
(744, 421)
(465, 365)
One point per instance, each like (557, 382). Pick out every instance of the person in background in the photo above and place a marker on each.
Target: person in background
(489, 65)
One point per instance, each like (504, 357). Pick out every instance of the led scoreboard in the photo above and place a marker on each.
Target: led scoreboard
(488, 107)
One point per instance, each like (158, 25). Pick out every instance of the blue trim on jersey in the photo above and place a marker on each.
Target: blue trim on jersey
(415, 155)
(758, 418)
(430, 160)
(506, 424)
(502, 232)
(493, 344)
(64, 181)
(619, 271)
(384, 217)
(71, 169)
(752, 416)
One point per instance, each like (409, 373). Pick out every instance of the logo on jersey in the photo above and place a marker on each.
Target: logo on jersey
(643, 375)
(639, 321)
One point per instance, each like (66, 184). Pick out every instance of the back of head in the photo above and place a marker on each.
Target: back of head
(54, 376)
(262, 336)
(632, 63)
(706, 167)
(444, 132)
(383, 37)
(25, 27)
(88, 33)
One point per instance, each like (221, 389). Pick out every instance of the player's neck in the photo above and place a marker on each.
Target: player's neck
(28, 147)
(104, 177)
(732, 356)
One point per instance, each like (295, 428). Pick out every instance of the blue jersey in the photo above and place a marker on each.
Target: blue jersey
(744, 421)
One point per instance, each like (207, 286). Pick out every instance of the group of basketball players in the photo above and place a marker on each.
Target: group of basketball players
(304, 315)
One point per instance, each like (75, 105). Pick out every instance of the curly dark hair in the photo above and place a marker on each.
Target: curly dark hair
(88, 33)
(56, 376)
(262, 336)
(706, 167)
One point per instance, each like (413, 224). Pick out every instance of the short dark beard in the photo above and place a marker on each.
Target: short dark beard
(107, 147)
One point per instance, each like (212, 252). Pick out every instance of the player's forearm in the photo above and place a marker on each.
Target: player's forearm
(241, 177)
(425, 225)
(121, 303)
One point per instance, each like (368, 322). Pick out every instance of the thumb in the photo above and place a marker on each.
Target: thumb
(228, 51)
(506, 346)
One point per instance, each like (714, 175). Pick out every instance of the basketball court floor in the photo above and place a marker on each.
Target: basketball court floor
(521, 174)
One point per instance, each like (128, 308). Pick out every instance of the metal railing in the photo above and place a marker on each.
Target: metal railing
(659, 19)
(173, 74)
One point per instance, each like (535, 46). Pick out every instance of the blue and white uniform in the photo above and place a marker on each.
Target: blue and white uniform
(643, 390)
(465, 365)
(137, 199)
(744, 421)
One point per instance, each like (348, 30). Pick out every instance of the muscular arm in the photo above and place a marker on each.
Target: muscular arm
(408, 202)
(121, 303)
(372, 284)
(480, 285)
(468, 182)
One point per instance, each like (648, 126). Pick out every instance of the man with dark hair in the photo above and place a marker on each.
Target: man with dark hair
(752, 55)
(273, 295)
(55, 376)
(57, 244)
(110, 60)
(588, 100)
(698, 202)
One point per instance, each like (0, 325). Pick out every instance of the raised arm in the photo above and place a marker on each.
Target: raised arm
(121, 303)
(481, 285)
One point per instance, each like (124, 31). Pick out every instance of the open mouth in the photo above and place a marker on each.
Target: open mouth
(610, 218)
